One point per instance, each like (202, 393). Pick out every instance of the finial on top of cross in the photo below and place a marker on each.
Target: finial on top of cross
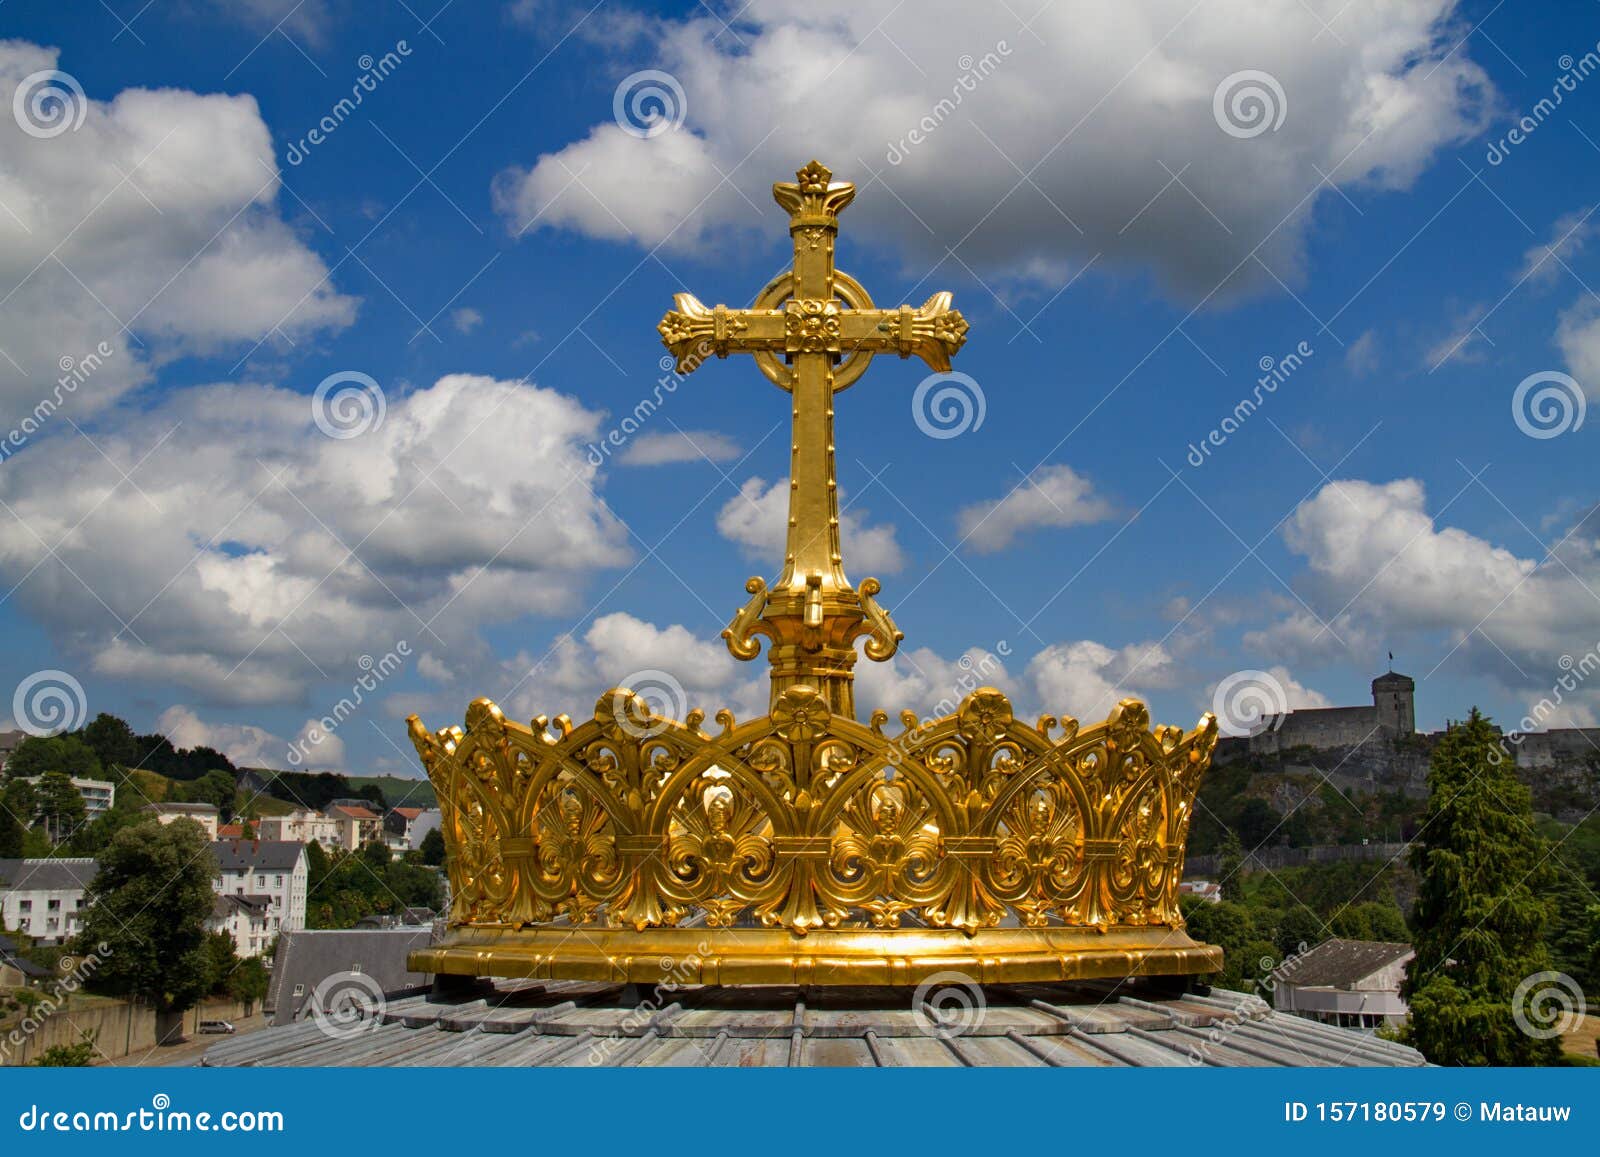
(812, 331)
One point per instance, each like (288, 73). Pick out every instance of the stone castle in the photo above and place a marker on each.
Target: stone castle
(1379, 748)
(1391, 716)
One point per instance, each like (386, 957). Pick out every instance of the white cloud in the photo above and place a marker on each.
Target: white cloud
(243, 743)
(1578, 336)
(1361, 359)
(1087, 679)
(1376, 559)
(621, 650)
(250, 556)
(307, 18)
(466, 319)
(1542, 264)
(1097, 106)
(668, 447)
(918, 679)
(1053, 496)
(757, 520)
(158, 213)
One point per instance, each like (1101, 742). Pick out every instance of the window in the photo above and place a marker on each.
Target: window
(53, 905)
(279, 880)
(356, 968)
(25, 905)
(299, 990)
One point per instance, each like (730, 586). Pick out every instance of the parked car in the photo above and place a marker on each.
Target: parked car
(216, 1027)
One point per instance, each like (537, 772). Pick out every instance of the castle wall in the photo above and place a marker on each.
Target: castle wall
(1318, 727)
(1545, 749)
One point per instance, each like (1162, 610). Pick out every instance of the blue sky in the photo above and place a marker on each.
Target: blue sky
(485, 241)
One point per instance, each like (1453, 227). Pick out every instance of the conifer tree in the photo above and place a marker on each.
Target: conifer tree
(1481, 912)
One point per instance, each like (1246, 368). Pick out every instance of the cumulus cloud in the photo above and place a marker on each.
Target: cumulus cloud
(758, 518)
(245, 744)
(248, 555)
(1578, 337)
(919, 679)
(622, 650)
(1376, 562)
(153, 227)
(465, 319)
(667, 447)
(1052, 496)
(1039, 144)
(1087, 679)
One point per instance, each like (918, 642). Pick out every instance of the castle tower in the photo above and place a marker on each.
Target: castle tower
(1394, 696)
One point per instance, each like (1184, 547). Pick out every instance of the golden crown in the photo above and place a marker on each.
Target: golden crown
(804, 846)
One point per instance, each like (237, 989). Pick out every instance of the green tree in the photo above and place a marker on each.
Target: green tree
(1480, 921)
(248, 982)
(149, 901)
(112, 741)
(433, 849)
(1230, 867)
(65, 753)
(61, 808)
(73, 1056)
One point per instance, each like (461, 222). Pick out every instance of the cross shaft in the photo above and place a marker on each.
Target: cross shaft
(824, 327)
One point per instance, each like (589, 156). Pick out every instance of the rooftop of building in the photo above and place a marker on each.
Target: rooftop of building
(1336, 963)
(306, 957)
(257, 855)
(53, 874)
(1393, 679)
(580, 1024)
(352, 811)
(186, 809)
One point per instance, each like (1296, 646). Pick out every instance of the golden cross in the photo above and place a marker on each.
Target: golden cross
(825, 328)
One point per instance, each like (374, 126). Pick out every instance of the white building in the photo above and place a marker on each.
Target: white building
(1350, 983)
(265, 874)
(302, 826)
(204, 814)
(45, 898)
(358, 824)
(405, 827)
(98, 794)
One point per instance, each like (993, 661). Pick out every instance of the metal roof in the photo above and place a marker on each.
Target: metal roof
(61, 874)
(257, 855)
(1336, 962)
(306, 957)
(577, 1024)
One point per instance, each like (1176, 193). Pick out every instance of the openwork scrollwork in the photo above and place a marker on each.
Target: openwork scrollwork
(806, 819)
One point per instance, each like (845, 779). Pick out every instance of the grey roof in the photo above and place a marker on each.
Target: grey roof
(306, 957)
(47, 875)
(202, 809)
(1394, 679)
(1336, 962)
(27, 967)
(257, 855)
(571, 1023)
(224, 903)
